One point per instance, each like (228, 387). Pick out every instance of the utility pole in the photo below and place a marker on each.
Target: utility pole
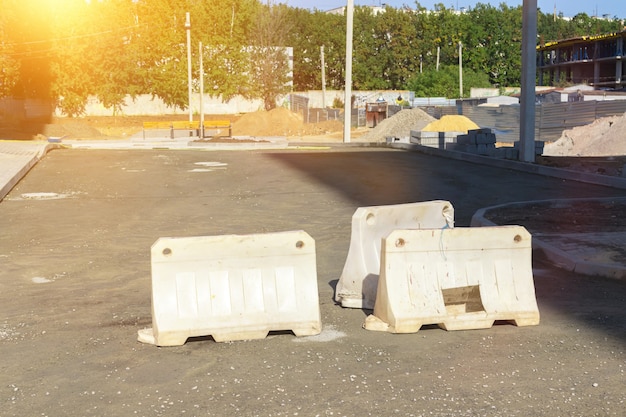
(323, 76)
(201, 129)
(188, 29)
(460, 70)
(529, 70)
(347, 105)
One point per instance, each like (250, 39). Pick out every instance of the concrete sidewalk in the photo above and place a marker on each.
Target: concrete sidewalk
(16, 159)
(585, 253)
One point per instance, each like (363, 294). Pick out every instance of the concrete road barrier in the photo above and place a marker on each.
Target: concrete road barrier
(459, 279)
(357, 285)
(233, 287)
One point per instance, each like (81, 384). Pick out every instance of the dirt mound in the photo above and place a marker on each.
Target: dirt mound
(399, 125)
(451, 123)
(603, 137)
(276, 122)
(281, 122)
(71, 130)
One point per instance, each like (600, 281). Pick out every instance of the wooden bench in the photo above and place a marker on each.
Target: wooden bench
(218, 125)
(187, 125)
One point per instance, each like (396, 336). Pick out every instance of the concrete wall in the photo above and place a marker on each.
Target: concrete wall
(146, 105)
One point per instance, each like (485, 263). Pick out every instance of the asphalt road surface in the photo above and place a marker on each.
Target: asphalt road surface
(75, 237)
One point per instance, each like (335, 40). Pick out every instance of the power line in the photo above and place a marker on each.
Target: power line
(42, 53)
(86, 35)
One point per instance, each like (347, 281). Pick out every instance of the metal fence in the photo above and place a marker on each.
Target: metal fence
(300, 104)
(551, 119)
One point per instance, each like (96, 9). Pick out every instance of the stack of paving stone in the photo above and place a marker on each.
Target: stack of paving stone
(477, 141)
(483, 142)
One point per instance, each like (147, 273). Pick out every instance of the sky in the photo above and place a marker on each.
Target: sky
(568, 7)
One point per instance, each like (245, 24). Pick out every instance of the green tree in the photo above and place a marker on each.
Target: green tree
(310, 31)
(270, 71)
(386, 53)
(9, 63)
(494, 43)
(445, 82)
(26, 48)
(116, 74)
(368, 64)
(222, 27)
(162, 59)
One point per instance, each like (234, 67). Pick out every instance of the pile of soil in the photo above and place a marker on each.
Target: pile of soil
(281, 122)
(603, 137)
(597, 148)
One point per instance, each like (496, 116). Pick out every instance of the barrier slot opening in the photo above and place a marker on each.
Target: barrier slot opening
(461, 300)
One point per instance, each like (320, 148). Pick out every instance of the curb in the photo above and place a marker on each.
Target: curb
(566, 174)
(24, 168)
(556, 256)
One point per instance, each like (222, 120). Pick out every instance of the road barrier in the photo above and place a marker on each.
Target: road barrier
(233, 287)
(357, 285)
(459, 279)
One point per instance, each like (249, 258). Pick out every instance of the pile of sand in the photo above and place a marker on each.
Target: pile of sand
(281, 122)
(398, 126)
(451, 123)
(603, 137)
(276, 122)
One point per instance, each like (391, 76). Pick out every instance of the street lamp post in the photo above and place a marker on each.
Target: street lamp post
(188, 29)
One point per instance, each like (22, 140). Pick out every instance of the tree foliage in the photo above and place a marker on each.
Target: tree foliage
(269, 69)
(68, 50)
(445, 82)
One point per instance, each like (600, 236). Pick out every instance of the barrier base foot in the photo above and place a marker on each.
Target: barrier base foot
(178, 339)
(356, 303)
(146, 336)
(307, 331)
(467, 324)
(531, 320)
(165, 339)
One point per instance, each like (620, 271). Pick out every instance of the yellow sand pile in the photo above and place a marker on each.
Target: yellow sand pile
(451, 123)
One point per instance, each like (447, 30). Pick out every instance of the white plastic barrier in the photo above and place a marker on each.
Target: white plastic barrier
(357, 285)
(233, 287)
(461, 278)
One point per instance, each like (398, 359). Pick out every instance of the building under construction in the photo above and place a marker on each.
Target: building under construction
(593, 60)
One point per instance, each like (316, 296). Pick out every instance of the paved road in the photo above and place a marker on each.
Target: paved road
(75, 287)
